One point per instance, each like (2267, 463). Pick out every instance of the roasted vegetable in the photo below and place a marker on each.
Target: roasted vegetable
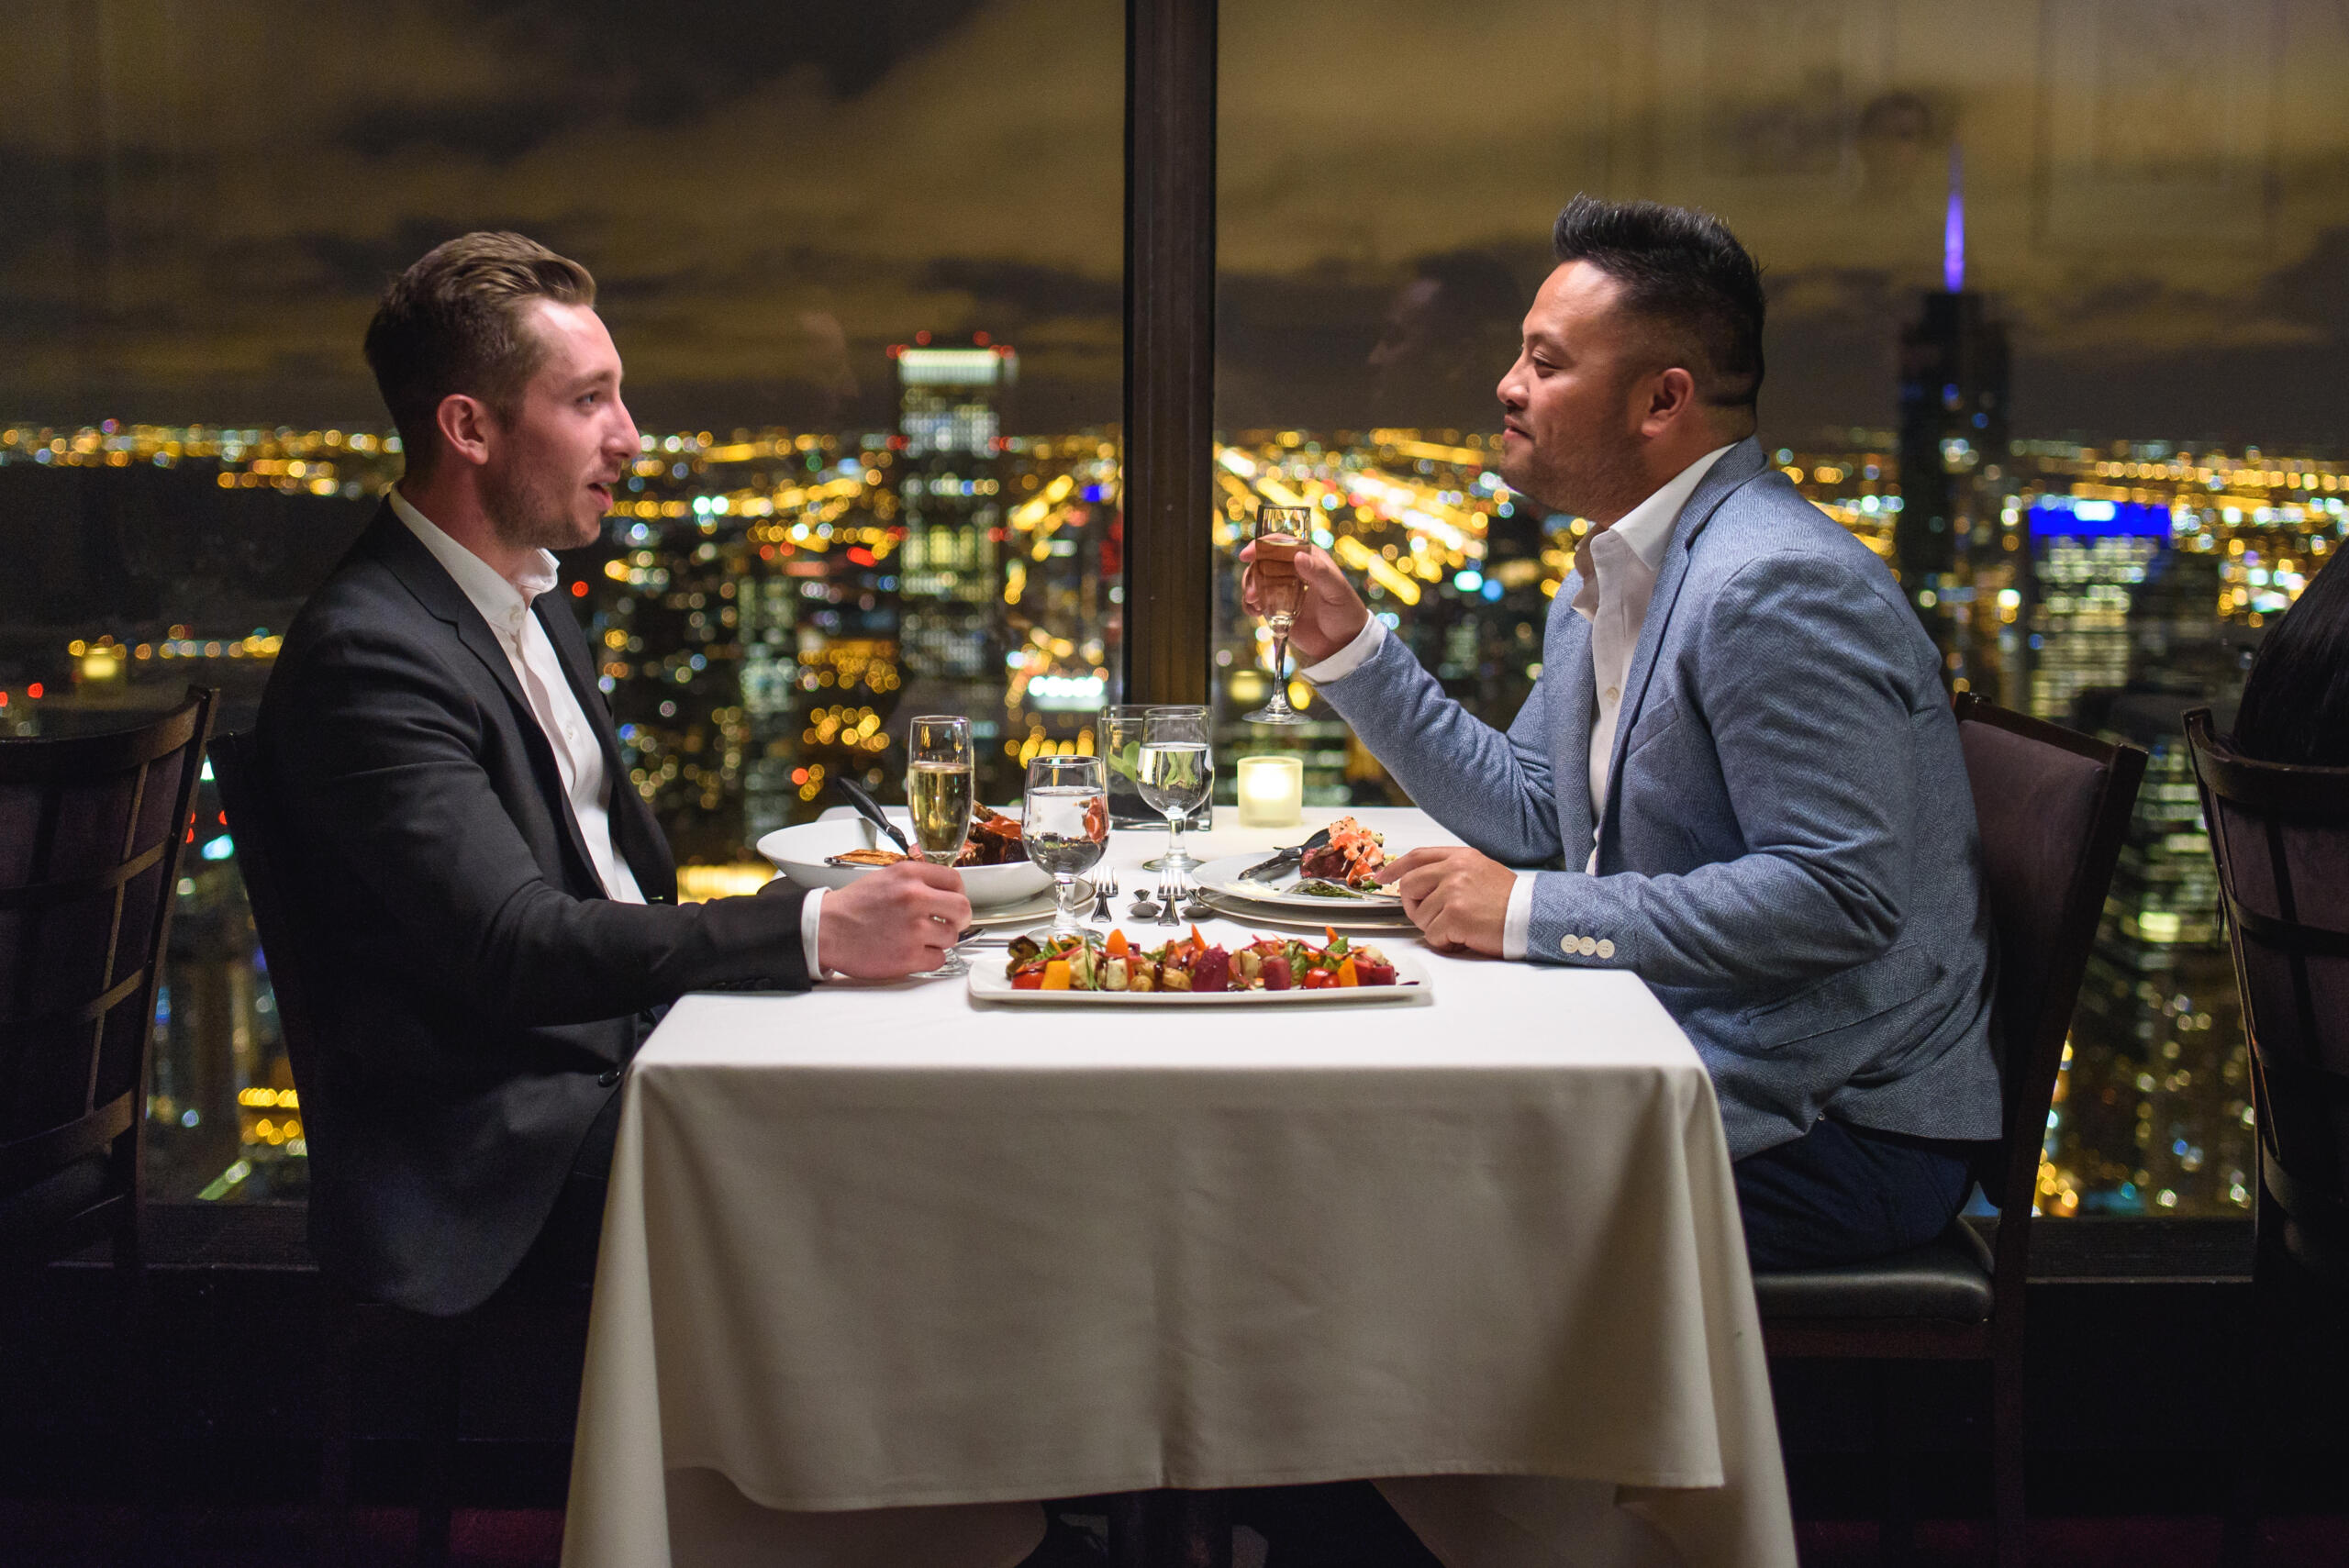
(1276, 973)
(1056, 975)
(1213, 972)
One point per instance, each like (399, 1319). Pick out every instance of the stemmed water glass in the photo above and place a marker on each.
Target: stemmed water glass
(1177, 773)
(1281, 532)
(1064, 825)
(939, 764)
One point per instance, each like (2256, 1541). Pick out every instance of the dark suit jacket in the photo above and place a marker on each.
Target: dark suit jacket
(478, 991)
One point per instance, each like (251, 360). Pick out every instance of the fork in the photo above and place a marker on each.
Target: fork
(1105, 889)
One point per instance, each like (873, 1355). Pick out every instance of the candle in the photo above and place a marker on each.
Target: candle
(1272, 792)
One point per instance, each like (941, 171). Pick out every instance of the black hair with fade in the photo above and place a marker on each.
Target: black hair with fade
(1681, 267)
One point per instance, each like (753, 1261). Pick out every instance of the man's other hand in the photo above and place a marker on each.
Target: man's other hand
(1458, 898)
(898, 921)
(1332, 614)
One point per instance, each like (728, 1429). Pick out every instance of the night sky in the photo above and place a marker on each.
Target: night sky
(199, 199)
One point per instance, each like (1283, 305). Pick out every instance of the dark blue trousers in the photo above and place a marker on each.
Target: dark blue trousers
(1841, 1194)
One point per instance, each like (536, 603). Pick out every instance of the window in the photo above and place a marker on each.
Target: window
(863, 266)
(2048, 330)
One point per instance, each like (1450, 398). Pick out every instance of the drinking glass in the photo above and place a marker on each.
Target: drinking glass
(939, 769)
(1177, 773)
(1281, 532)
(1064, 825)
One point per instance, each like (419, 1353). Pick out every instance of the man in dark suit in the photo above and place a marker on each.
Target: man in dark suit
(491, 908)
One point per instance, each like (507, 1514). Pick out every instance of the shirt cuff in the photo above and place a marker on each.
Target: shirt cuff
(1518, 924)
(1352, 657)
(811, 922)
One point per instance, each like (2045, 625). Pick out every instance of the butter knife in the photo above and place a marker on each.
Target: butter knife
(870, 809)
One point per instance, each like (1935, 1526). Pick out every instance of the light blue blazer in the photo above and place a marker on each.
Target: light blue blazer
(1788, 855)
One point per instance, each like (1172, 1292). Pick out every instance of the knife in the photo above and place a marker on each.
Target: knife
(870, 809)
(1284, 860)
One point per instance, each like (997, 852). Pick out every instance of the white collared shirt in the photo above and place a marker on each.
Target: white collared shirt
(506, 605)
(1619, 566)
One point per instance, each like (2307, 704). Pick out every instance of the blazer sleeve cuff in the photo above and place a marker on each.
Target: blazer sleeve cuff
(1570, 924)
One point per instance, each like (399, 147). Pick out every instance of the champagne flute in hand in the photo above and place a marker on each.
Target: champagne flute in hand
(1281, 532)
(1177, 773)
(940, 765)
(1064, 824)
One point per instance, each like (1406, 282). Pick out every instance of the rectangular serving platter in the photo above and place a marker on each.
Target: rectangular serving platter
(989, 984)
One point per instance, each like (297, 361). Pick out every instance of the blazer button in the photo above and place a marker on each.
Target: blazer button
(1606, 947)
(608, 1078)
(1588, 946)
(1571, 946)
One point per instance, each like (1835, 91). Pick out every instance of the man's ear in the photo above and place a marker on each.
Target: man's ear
(1672, 394)
(465, 425)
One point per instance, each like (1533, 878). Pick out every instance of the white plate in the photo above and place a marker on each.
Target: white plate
(800, 853)
(990, 984)
(1338, 912)
(1040, 907)
(1223, 877)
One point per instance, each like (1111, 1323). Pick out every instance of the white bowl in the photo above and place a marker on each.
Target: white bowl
(800, 854)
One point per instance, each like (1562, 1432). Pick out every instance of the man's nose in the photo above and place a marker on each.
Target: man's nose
(624, 433)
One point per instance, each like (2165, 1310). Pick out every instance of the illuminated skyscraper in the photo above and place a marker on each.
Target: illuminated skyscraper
(2087, 558)
(950, 483)
(1953, 469)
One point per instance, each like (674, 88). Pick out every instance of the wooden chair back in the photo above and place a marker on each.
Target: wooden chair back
(2281, 835)
(2053, 807)
(91, 831)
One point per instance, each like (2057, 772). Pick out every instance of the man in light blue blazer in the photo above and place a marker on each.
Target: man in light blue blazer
(1738, 770)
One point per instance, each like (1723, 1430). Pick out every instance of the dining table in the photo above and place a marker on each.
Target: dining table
(884, 1265)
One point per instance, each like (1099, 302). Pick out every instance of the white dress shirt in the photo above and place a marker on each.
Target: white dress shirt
(506, 605)
(1619, 566)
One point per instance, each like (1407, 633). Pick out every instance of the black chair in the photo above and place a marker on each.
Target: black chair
(294, 972)
(2053, 807)
(2281, 835)
(91, 830)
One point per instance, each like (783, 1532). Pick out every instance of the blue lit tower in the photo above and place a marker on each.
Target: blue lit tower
(1953, 463)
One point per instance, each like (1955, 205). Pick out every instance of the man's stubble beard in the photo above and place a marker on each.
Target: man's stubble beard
(1602, 478)
(526, 516)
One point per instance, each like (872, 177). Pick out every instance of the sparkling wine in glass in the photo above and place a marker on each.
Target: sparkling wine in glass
(1281, 532)
(939, 764)
(1064, 824)
(1177, 773)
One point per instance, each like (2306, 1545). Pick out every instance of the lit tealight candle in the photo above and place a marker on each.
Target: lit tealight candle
(1272, 792)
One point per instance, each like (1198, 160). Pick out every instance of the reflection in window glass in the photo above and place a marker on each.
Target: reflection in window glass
(2052, 329)
(864, 263)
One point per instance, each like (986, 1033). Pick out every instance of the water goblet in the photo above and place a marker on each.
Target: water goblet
(1064, 827)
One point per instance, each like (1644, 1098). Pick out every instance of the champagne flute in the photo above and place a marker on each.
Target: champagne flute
(1064, 825)
(940, 765)
(1281, 532)
(1177, 772)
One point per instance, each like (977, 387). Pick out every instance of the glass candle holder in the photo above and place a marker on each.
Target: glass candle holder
(1272, 792)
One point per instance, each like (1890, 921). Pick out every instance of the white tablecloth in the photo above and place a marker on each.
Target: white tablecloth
(878, 1263)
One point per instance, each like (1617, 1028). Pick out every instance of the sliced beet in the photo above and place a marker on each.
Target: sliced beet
(1213, 972)
(1275, 974)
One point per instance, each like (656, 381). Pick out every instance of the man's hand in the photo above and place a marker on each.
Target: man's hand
(898, 921)
(1458, 898)
(1332, 614)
